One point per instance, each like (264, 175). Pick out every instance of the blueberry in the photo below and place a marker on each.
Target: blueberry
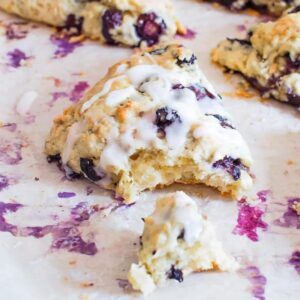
(87, 167)
(231, 166)
(201, 92)
(186, 61)
(150, 27)
(73, 24)
(165, 117)
(240, 41)
(181, 235)
(175, 274)
(111, 19)
(295, 10)
(223, 121)
(158, 51)
(53, 158)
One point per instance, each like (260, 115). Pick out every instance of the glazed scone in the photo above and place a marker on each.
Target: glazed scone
(153, 120)
(177, 240)
(274, 7)
(268, 58)
(127, 22)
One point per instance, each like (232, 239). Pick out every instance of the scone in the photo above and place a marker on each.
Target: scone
(127, 22)
(268, 58)
(177, 240)
(274, 7)
(153, 120)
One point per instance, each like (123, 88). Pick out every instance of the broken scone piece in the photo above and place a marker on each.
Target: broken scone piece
(273, 7)
(269, 58)
(127, 22)
(177, 240)
(153, 120)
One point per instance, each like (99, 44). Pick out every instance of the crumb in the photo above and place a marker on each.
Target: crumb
(252, 12)
(290, 162)
(72, 262)
(86, 285)
(36, 179)
(296, 208)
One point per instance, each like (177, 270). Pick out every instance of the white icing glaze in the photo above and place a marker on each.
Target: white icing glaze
(106, 88)
(113, 155)
(25, 102)
(114, 98)
(73, 134)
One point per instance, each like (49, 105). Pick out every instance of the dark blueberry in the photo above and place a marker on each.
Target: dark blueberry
(158, 51)
(73, 24)
(150, 27)
(186, 61)
(201, 92)
(295, 10)
(241, 42)
(141, 241)
(293, 98)
(165, 117)
(153, 252)
(53, 158)
(111, 19)
(175, 274)
(223, 121)
(181, 235)
(231, 166)
(87, 167)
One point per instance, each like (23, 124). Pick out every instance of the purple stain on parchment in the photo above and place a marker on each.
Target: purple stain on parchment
(64, 45)
(89, 190)
(65, 234)
(78, 91)
(257, 279)
(16, 30)
(189, 34)
(10, 153)
(295, 261)
(16, 57)
(56, 96)
(290, 218)
(4, 182)
(241, 28)
(4, 209)
(12, 127)
(66, 194)
(123, 284)
(250, 217)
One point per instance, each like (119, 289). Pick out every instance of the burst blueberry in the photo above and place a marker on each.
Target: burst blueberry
(150, 27)
(111, 19)
(87, 167)
(176, 274)
(165, 117)
(231, 166)
(186, 61)
(224, 122)
(73, 25)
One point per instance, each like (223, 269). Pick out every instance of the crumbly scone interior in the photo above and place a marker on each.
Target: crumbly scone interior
(177, 240)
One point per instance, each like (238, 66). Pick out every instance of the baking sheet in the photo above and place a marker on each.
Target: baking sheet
(65, 239)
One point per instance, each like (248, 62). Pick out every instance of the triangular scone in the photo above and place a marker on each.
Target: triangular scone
(151, 121)
(177, 240)
(268, 58)
(127, 22)
(273, 7)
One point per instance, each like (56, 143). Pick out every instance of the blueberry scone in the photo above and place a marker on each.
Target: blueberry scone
(274, 7)
(177, 240)
(127, 22)
(268, 58)
(153, 120)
